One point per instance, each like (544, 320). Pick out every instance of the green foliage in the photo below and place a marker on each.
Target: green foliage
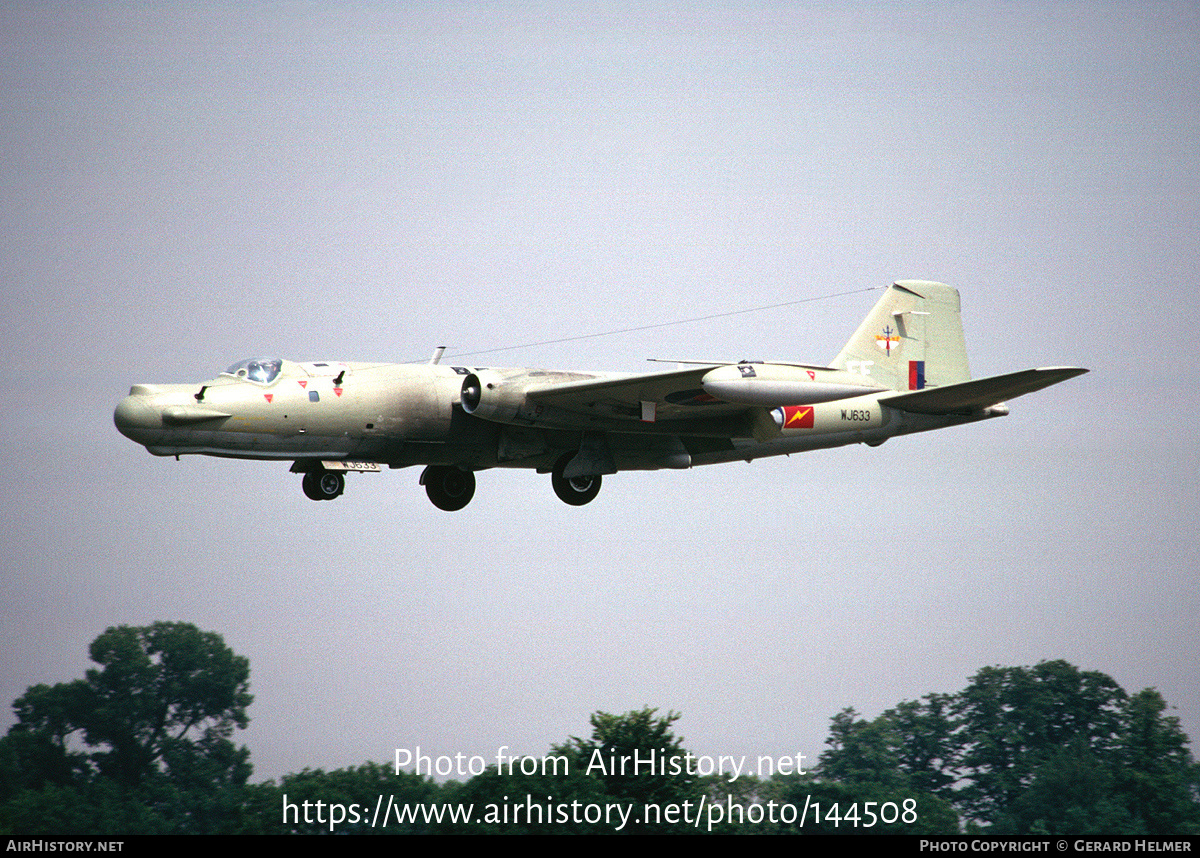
(140, 745)
(835, 807)
(1071, 793)
(1155, 772)
(1047, 749)
(636, 756)
(35, 753)
(342, 801)
(143, 744)
(159, 684)
(927, 746)
(1015, 719)
(512, 802)
(862, 752)
(630, 761)
(898, 761)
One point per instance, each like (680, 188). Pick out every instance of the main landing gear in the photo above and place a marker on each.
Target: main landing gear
(448, 487)
(574, 490)
(452, 488)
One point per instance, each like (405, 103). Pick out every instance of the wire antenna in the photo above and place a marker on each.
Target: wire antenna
(658, 325)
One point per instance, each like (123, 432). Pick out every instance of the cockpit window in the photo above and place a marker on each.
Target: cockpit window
(261, 370)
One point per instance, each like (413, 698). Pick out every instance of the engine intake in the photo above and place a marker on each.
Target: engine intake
(487, 395)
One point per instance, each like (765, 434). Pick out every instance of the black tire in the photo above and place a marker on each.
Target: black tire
(574, 490)
(323, 485)
(449, 488)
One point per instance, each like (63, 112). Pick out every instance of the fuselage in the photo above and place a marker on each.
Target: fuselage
(406, 414)
(903, 370)
(276, 409)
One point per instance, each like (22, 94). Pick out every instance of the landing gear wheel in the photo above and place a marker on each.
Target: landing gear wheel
(448, 487)
(574, 490)
(323, 485)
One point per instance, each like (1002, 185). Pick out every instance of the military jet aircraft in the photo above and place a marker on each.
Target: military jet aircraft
(904, 370)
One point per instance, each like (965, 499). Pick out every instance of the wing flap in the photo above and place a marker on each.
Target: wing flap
(969, 396)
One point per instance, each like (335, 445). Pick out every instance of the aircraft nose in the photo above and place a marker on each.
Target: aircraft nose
(135, 415)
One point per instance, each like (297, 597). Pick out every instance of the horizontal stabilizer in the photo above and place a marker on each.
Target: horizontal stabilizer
(970, 396)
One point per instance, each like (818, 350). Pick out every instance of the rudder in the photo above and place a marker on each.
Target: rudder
(911, 339)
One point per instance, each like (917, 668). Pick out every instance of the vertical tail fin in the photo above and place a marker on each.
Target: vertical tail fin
(911, 339)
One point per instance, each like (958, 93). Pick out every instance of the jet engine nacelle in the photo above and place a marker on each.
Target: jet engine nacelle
(510, 396)
(771, 385)
(490, 395)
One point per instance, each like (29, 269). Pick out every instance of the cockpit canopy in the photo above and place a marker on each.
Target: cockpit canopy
(262, 370)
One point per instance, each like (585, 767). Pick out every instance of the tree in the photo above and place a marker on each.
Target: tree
(153, 724)
(1155, 771)
(913, 745)
(862, 752)
(543, 801)
(927, 746)
(1071, 793)
(834, 807)
(636, 756)
(1016, 719)
(879, 776)
(1048, 749)
(36, 751)
(603, 784)
(342, 801)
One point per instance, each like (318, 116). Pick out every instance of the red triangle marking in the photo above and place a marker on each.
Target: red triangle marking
(812, 376)
(269, 396)
(301, 382)
(338, 391)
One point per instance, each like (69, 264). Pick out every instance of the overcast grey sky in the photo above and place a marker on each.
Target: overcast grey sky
(185, 185)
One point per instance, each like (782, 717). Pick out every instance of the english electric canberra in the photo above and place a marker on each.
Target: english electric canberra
(904, 370)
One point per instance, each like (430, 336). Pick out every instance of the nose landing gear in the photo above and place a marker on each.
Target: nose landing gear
(323, 485)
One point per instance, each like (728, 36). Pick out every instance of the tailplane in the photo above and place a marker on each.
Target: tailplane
(912, 339)
(983, 393)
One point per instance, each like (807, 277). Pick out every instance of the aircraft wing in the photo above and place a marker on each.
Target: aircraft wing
(969, 396)
(648, 398)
